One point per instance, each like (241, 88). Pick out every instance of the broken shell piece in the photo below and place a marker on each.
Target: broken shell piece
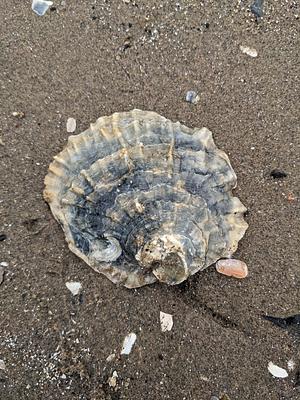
(111, 357)
(4, 264)
(112, 381)
(192, 97)
(249, 51)
(2, 365)
(71, 125)
(1, 274)
(277, 371)
(291, 365)
(18, 114)
(40, 7)
(74, 287)
(166, 321)
(231, 267)
(128, 343)
(142, 199)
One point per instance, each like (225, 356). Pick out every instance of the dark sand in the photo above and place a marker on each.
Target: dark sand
(92, 58)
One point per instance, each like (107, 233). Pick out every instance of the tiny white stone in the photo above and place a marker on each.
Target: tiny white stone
(4, 264)
(291, 365)
(277, 371)
(74, 287)
(166, 321)
(2, 365)
(249, 51)
(128, 343)
(112, 381)
(40, 7)
(111, 357)
(71, 125)
(63, 376)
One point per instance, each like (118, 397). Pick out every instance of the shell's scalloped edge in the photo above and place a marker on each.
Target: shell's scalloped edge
(57, 180)
(56, 170)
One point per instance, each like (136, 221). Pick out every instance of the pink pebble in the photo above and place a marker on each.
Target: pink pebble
(231, 267)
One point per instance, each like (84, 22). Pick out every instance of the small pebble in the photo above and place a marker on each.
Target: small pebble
(71, 125)
(2, 237)
(278, 174)
(192, 97)
(2, 365)
(4, 264)
(277, 371)
(291, 365)
(225, 397)
(74, 287)
(112, 381)
(128, 343)
(1, 142)
(291, 197)
(40, 7)
(231, 267)
(1, 275)
(111, 357)
(257, 8)
(18, 114)
(166, 321)
(249, 51)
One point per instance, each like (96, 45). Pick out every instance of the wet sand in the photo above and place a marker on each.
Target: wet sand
(92, 58)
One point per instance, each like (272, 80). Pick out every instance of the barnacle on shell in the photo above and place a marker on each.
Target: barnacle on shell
(142, 199)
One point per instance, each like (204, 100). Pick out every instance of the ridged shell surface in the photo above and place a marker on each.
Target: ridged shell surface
(142, 199)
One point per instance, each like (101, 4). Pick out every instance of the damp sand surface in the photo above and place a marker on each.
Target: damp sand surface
(86, 59)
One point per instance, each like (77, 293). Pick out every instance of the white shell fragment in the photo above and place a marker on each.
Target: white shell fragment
(18, 114)
(40, 7)
(249, 51)
(4, 264)
(192, 97)
(232, 267)
(277, 371)
(2, 365)
(1, 274)
(74, 287)
(111, 357)
(71, 125)
(166, 321)
(291, 365)
(143, 199)
(128, 343)
(112, 381)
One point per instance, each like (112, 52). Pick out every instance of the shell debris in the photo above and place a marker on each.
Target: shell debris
(192, 97)
(40, 7)
(276, 371)
(128, 343)
(250, 51)
(112, 381)
(71, 125)
(2, 365)
(231, 267)
(166, 321)
(74, 287)
(1, 275)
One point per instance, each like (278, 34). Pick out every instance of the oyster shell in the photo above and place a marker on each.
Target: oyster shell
(142, 199)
